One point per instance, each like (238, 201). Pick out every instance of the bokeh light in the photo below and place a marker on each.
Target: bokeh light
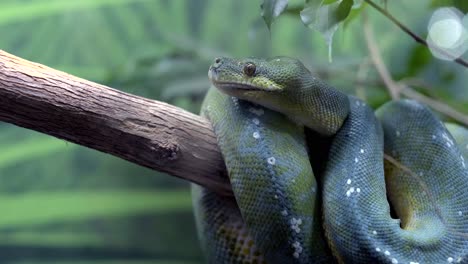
(448, 33)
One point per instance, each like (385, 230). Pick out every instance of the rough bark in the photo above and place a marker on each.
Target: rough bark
(146, 132)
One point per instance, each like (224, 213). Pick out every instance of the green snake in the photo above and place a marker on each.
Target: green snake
(391, 186)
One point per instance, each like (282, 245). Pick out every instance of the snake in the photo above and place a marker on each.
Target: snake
(318, 176)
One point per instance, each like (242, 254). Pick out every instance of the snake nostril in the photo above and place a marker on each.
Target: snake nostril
(217, 60)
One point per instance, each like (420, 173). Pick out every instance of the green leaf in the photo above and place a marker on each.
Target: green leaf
(271, 9)
(325, 17)
(355, 12)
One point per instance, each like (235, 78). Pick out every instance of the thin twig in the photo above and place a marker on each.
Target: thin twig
(436, 105)
(406, 90)
(394, 89)
(361, 75)
(376, 58)
(413, 35)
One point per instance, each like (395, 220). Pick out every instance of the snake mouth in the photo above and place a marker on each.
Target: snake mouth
(213, 75)
(235, 86)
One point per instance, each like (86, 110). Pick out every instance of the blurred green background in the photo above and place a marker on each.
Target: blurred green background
(62, 203)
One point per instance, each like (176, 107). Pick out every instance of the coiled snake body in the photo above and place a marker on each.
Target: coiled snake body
(261, 110)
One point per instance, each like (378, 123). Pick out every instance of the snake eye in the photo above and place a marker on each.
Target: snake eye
(249, 69)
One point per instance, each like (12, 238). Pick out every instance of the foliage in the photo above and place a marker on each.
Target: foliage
(64, 203)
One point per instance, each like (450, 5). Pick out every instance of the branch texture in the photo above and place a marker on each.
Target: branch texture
(146, 132)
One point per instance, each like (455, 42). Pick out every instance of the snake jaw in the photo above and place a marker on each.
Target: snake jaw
(243, 89)
(229, 77)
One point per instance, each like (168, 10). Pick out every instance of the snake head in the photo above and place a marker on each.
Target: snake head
(258, 80)
(284, 85)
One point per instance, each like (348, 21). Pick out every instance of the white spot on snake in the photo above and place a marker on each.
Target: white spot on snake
(421, 173)
(256, 135)
(358, 190)
(295, 223)
(256, 121)
(358, 103)
(459, 259)
(374, 232)
(271, 160)
(348, 181)
(433, 136)
(293, 181)
(284, 213)
(235, 101)
(257, 112)
(362, 151)
(297, 249)
(449, 259)
(411, 262)
(463, 161)
(448, 139)
(350, 191)
(208, 107)
(313, 189)
(387, 253)
(394, 261)
(377, 249)
(398, 133)
(460, 213)
(356, 160)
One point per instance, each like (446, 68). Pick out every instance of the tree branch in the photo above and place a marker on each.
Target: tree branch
(146, 132)
(412, 34)
(395, 88)
(378, 61)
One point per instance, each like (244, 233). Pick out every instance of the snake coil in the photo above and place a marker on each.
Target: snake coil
(272, 117)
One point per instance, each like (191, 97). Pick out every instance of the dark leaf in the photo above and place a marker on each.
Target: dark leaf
(325, 17)
(271, 9)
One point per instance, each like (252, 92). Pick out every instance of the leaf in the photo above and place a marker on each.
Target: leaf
(325, 17)
(354, 13)
(271, 9)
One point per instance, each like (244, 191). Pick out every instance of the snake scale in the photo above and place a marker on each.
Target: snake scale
(389, 186)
